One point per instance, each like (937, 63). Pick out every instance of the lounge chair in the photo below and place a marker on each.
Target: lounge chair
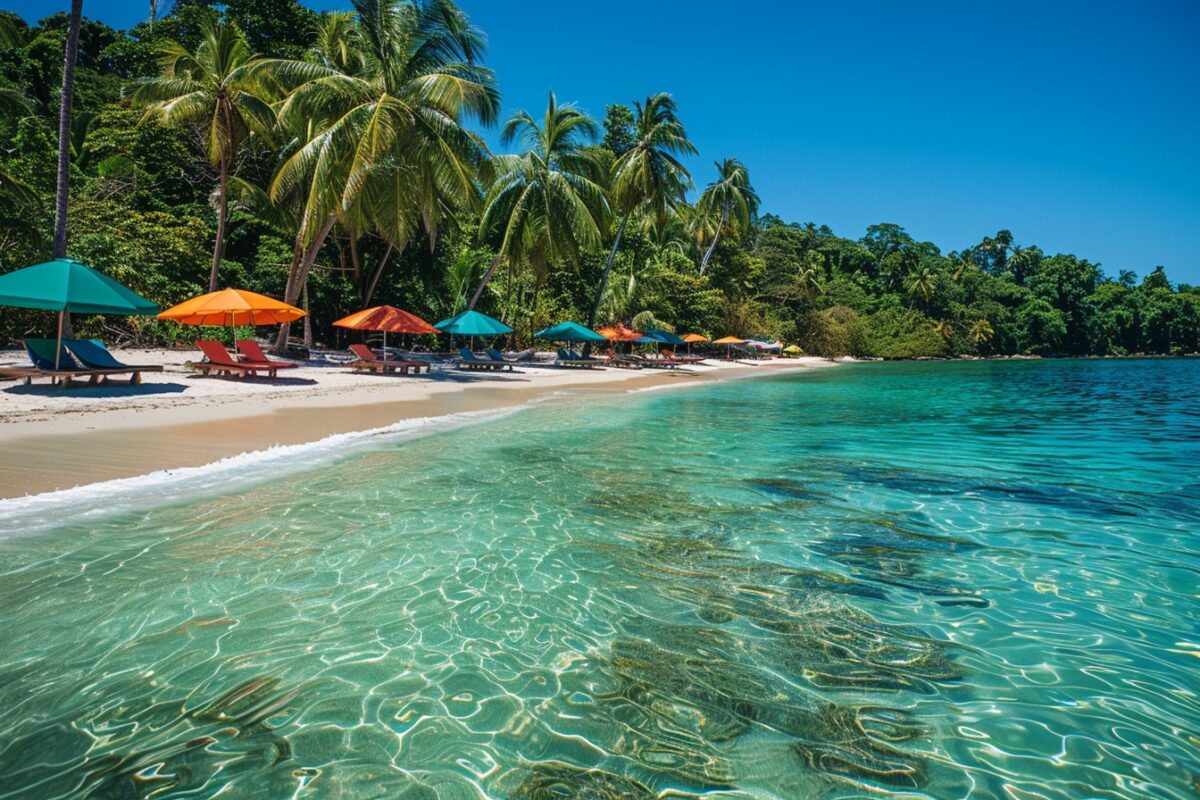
(523, 357)
(219, 360)
(625, 362)
(654, 362)
(369, 362)
(251, 351)
(468, 360)
(65, 371)
(92, 354)
(571, 359)
(680, 358)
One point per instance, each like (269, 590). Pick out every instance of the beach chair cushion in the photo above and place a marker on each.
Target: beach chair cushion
(253, 351)
(41, 353)
(215, 352)
(92, 353)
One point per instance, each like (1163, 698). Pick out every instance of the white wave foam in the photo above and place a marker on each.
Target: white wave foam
(33, 513)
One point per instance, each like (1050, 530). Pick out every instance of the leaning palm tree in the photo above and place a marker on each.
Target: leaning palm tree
(385, 145)
(219, 86)
(548, 202)
(649, 177)
(733, 195)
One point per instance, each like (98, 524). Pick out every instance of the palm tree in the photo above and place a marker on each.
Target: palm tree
(1127, 278)
(733, 195)
(220, 86)
(920, 281)
(808, 282)
(384, 143)
(649, 177)
(548, 201)
(59, 249)
(982, 332)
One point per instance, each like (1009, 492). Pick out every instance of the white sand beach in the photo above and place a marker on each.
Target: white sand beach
(55, 438)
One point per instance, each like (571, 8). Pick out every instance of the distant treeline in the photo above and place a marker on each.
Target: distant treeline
(587, 218)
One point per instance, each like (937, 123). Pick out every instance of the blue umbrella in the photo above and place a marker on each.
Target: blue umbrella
(666, 337)
(569, 332)
(473, 323)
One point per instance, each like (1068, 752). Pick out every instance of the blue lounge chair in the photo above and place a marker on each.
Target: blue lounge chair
(92, 354)
(468, 360)
(569, 358)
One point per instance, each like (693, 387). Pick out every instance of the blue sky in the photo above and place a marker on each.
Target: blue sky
(1076, 125)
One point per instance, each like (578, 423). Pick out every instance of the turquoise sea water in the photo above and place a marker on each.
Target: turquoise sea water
(912, 580)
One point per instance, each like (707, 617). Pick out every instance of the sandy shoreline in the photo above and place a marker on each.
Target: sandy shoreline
(53, 439)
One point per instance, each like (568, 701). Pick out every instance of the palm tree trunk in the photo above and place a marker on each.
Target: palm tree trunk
(612, 257)
(355, 257)
(378, 274)
(487, 276)
(298, 279)
(64, 130)
(219, 245)
(716, 237)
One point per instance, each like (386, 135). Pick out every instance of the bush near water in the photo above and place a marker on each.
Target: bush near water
(142, 210)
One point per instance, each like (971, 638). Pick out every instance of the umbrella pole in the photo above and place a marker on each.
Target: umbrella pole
(58, 350)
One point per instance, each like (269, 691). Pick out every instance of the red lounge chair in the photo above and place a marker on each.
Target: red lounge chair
(220, 362)
(680, 358)
(615, 360)
(369, 362)
(253, 353)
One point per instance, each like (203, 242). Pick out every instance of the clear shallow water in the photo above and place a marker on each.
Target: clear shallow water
(919, 580)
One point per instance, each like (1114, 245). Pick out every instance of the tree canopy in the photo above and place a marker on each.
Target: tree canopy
(339, 156)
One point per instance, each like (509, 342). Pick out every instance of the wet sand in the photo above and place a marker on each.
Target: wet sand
(52, 439)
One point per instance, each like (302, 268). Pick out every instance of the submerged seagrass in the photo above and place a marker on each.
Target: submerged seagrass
(928, 580)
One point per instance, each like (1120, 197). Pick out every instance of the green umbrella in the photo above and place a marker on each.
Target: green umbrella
(569, 332)
(472, 323)
(67, 286)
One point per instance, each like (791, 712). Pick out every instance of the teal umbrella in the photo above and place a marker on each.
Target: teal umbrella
(665, 337)
(67, 286)
(472, 323)
(569, 332)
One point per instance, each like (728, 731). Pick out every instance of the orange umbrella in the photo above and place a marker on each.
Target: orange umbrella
(619, 333)
(232, 307)
(729, 342)
(388, 319)
(694, 338)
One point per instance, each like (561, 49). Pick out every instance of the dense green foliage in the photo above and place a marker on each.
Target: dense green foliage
(356, 175)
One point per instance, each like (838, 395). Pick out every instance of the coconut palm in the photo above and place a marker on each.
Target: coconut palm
(548, 202)
(64, 129)
(649, 177)
(982, 332)
(920, 281)
(218, 86)
(733, 195)
(384, 145)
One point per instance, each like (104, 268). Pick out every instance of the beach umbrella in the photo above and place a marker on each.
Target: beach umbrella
(793, 350)
(619, 333)
(68, 286)
(729, 342)
(388, 319)
(665, 337)
(694, 338)
(232, 307)
(472, 324)
(569, 332)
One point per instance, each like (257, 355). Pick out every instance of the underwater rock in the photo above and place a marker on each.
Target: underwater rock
(554, 780)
